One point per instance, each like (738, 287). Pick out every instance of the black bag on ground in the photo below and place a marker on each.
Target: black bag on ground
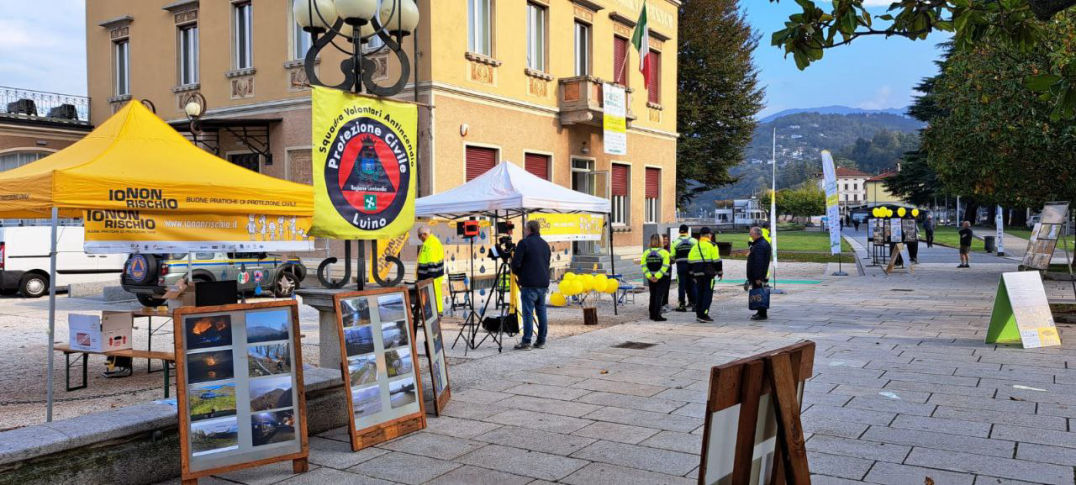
(508, 324)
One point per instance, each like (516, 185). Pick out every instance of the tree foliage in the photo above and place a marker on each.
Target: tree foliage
(1023, 25)
(806, 200)
(716, 120)
(992, 139)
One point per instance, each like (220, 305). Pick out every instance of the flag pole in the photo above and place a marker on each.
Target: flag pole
(773, 211)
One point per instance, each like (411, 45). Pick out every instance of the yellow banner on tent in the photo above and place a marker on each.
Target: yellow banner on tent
(169, 232)
(363, 165)
(570, 227)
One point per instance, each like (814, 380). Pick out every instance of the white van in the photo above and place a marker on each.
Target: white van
(24, 260)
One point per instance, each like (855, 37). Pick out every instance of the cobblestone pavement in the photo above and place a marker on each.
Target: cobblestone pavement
(904, 390)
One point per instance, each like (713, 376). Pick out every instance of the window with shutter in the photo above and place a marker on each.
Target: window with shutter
(620, 60)
(654, 91)
(537, 164)
(479, 160)
(620, 179)
(653, 179)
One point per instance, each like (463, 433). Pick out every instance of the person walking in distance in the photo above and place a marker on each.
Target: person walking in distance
(928, 228)
(655, 265)
(965, 244)
(758, 264)
(705, 261)
(685, 287)
(530, 264)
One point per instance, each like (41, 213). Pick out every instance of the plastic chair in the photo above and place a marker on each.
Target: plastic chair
(459, 294)
(624, 291)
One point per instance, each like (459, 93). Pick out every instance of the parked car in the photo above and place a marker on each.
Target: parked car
(148, 276)
(1031, 221)
(24, 260)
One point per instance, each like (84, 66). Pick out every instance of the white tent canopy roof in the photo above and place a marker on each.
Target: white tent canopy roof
(508, 187)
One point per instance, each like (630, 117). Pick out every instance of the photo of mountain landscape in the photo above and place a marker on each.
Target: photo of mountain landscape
(270, 393)
(268, 326)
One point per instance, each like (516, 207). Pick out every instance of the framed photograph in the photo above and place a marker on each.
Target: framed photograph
(435, 353)
(377, 349)
(239, 387)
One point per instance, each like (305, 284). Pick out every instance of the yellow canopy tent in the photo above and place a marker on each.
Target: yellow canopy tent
(141, 186)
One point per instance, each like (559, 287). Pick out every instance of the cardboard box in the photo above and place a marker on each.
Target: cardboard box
(94, 333)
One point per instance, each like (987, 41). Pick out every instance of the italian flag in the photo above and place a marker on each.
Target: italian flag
(641, 39)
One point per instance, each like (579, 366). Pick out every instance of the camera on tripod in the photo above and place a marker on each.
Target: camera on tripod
(504, 245)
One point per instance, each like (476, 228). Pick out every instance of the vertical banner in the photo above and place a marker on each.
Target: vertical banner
(614, 102)
(833, 215)
(363, 165)
(999, 221)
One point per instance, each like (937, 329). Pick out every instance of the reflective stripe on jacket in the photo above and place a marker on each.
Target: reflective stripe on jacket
(705, 252)
(655, 263)
(682, 246)
(431, 258)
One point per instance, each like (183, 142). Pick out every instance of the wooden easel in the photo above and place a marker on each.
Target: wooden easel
(898, 250)
(780, 375)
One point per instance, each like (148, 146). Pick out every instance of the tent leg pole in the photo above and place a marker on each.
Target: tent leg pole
(52, 310)
(612, 261)
(360, 265)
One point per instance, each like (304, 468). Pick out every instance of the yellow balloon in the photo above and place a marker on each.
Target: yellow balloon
(587, 281)
(568, 276)
(577, 287)
(599, 282)
(611, 286)
(901, 212)
(557, 299)
(876, 212)
(565, 287)
(915, 212)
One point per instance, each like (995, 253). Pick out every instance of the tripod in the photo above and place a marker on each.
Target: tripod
(472, 322)
(503, 270)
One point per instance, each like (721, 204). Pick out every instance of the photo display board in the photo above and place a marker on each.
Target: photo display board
(1044, 237)
(239, 387)
(753, 419)
(377, 347)
(435, 347)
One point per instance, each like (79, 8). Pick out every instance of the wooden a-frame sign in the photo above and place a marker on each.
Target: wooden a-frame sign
(753, 434)
(898, 252)
(1022, 313)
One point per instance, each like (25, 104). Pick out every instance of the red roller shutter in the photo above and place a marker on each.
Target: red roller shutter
(537, 165)
(653, 181)
(654, 93)
(479, 160)
(620, 180)
(620, 60)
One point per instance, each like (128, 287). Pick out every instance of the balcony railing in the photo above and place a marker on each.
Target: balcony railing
(44, 106)
(580, 101)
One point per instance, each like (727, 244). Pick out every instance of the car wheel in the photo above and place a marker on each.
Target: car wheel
(149, 300)
(285, 286)
(34, 285)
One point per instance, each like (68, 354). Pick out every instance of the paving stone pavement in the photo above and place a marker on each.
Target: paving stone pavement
(904, 389)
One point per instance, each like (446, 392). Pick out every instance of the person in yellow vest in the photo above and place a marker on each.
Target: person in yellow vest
(705, 261)
(685, 284)
(431, 263)
(655, 265)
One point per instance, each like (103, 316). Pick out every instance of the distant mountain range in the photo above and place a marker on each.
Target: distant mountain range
(834, 110)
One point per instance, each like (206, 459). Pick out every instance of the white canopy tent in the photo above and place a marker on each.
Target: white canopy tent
(508, 187)
(507, 191)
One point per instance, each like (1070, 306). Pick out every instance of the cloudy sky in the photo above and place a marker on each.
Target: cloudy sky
(42, 47)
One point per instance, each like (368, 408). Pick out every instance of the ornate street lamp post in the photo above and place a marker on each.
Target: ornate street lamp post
(355, 23)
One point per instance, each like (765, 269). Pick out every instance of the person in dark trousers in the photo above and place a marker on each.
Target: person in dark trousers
(668, 275)
(758, 264)
(928, 228)
(530, 264)
(655, 265)
(705, 261)
(965, 244)
(685, 283)
(855, 223)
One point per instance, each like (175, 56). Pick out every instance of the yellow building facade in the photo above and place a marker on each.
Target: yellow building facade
(513, 81)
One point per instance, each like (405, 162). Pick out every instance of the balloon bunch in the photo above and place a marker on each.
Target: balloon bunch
(572, 284)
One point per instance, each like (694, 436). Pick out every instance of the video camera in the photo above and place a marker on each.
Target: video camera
(504, 245)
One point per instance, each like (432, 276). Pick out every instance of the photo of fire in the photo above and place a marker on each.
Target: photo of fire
(208, 331)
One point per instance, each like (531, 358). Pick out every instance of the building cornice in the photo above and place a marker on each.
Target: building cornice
(589, 5)
(117, 22)
(180, 5)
